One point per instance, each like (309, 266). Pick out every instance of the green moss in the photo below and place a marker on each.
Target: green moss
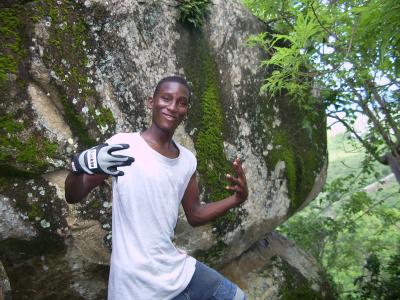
(28, 154)
(12, 52)
(206, 117)
(8, 124)
(76, 123)
(35, 212)
(296, 287)
(23, 151)
(300, 146)
(69, 44)
(285, 152)
(211, 255)
(103, 116)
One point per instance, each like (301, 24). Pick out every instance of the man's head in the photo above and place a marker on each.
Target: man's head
(173, 78)
(169, 103)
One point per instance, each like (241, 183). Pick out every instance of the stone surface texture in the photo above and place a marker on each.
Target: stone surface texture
(84, 72)
(5, 288)
(275, 267)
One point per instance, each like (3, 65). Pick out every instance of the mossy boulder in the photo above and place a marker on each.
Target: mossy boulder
(283, 146)
(72, 73)
(276, 268)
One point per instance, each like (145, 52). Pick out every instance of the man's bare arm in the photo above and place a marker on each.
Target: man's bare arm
(77, 187)
(198, 214)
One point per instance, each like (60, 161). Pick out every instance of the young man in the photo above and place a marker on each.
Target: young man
(145, 265)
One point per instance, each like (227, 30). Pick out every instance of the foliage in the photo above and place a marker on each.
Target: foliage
(373, 285)
(346, 52)
(346, 223)
(193, 11)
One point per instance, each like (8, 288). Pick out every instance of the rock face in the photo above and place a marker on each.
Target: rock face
(5, 288)
(275, 268)
(76, 72)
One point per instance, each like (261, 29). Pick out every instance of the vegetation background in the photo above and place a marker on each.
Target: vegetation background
(344, 54)
(344, 228)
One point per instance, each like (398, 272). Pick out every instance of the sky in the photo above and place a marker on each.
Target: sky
(360, 125)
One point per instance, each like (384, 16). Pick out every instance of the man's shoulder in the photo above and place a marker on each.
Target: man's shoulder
(185, 152)
(123, 138)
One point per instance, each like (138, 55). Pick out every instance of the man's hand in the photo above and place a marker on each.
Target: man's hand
(239, 183)
(100, 160)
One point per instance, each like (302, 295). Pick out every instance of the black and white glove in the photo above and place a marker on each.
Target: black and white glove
(100, 160)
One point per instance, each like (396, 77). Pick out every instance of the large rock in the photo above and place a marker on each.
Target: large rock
(13, 224)
(275, 268)
(83, 72)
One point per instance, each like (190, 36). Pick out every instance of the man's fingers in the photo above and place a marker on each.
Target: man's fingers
(239, 183)
(235, 188)
(128, 161)
(114, 172)
(241, 177)
(122, 158)
(231, 188)
(118, 173)
(117, 147)
(237, 164)
(232, 179)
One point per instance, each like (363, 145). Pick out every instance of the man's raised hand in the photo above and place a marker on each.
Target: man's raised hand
(239, 183)
(100, 160)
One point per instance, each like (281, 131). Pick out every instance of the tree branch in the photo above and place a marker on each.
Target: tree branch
(319, 22)
(360, 139)
(370, 208)
(384, 109)
(371, 116)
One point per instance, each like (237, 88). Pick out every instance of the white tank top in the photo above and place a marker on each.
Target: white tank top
(145, 264)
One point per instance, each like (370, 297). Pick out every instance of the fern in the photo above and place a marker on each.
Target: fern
(193, 11)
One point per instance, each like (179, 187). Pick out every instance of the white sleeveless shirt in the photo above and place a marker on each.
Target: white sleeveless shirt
(145, 264)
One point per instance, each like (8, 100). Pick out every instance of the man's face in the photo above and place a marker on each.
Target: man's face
(169, 105)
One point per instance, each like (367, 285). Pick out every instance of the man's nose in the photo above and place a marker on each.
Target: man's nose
(173, 106)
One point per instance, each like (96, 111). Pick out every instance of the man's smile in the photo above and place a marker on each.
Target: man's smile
(169, 117)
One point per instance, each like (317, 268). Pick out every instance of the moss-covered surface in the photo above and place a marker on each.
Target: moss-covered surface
(299, 141)
(207, 123)
(295, 287)
(66, 55)
(12, 51)
(211, 256)
(23, 150)
(39, 205)
(44, 273)
(284, 131)
(37, 202)
(28, 154)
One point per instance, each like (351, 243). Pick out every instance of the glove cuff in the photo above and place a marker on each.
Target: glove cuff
(75, 166)
(86, 162)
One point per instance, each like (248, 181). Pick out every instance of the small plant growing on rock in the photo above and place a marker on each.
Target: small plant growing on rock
(193, 11)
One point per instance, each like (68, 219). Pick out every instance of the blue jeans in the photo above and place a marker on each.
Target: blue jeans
(208, 284)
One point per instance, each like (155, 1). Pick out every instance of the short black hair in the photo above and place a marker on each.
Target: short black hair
(174, 78)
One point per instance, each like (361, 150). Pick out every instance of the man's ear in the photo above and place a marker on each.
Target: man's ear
(149, 102)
